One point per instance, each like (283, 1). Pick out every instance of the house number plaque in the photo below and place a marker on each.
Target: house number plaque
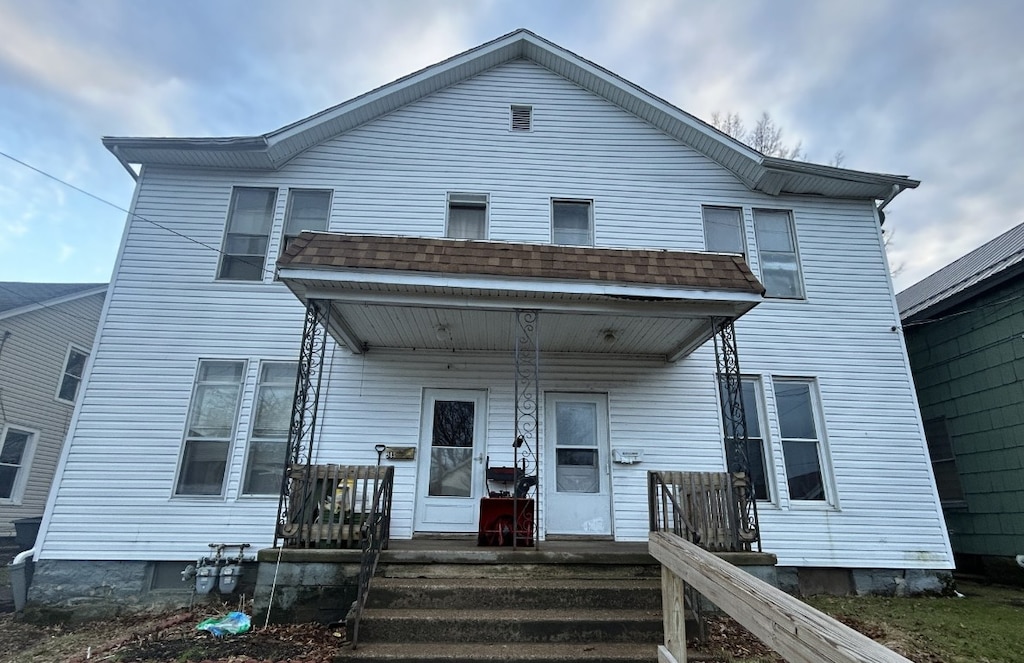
(400, 453)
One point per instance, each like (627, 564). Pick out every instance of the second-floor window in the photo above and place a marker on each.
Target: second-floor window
(74, 367)
(247, 234)
(777, 252)
(210, 427)
(940, 449)
(467, 216)
(307, 210)
(723, 230)
(572, 222)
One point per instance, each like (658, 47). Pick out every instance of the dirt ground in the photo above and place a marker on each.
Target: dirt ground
(164, 638)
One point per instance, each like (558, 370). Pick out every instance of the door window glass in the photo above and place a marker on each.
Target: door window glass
(451, 449)
(576, 453)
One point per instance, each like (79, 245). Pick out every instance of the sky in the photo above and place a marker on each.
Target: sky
(933, 90)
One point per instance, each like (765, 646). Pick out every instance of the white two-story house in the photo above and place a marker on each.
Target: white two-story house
(513, 196)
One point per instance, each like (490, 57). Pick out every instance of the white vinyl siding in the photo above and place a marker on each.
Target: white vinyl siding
(17, 447)
(71, 377)
(572, 222)
(777, 252)
(308, 209)
(210, 428)
(247, 234)
(724, 231)
(392, 175)
(264, 466)
(467, 216)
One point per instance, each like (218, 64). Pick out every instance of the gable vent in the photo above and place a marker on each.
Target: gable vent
(522, 118)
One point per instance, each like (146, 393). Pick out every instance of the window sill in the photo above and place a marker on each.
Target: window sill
(811, 505)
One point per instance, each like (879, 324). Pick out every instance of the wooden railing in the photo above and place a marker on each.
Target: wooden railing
(710, 509)
(327, 506)
(789, 626)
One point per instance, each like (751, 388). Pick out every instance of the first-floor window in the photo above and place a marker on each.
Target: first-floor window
(210, 427)
(271, 417)
(801, 442)
(940, 448)
(15, 455)
(755, 448)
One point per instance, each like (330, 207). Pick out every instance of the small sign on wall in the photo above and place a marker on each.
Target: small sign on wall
(400, 453)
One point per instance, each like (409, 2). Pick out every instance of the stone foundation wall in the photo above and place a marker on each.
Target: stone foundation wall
(305, 591)
(67, 590)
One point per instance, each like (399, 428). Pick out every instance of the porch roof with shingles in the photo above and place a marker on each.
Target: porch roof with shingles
(678, 269)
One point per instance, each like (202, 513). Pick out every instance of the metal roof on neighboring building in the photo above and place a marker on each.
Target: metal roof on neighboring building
(964, 274)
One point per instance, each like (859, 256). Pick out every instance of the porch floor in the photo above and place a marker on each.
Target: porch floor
(466, 551)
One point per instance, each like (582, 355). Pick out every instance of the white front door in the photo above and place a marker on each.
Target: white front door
(451, 457)
(577, 479)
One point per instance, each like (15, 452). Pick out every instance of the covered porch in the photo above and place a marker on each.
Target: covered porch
(522, 302)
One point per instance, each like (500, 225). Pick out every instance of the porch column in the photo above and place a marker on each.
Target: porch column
(526, 443)
(727, 363)
(305, 406)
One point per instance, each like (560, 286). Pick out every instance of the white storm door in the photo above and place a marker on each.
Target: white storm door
(451, 459)
(577, 480)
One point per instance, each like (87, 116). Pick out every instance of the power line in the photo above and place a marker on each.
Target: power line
(134, 215)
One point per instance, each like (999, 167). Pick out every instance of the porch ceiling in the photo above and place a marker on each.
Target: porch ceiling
(440, 294)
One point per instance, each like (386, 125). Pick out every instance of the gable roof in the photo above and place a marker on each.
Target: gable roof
(1000, 258)
(272, 150)
(18, 297)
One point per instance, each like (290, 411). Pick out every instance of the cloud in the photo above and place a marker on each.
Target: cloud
(64, 252)
(96, 80)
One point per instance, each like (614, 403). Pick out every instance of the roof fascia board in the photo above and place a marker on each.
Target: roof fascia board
(786, 166)
(50, 303)
(675, 309)
(538, 286)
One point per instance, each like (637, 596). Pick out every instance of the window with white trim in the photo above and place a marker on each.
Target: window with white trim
(757, 454)
(777, 253)
(572, 222)
(271, 418)
(71, 378)
(802, 446)
(210, 428)
(467, 216)
(247, 234)
(18, 446)
(723, 230)
(308, 209)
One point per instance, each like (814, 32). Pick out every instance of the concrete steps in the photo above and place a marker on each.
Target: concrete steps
(528, 613)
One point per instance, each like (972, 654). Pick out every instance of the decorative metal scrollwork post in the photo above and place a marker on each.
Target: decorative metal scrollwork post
(306, 403)
(734, 418)
(526, 443)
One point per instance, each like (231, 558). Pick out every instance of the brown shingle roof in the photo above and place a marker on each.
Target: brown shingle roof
(699, 271)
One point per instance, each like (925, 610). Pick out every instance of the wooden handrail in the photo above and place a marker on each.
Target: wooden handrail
(789, 626)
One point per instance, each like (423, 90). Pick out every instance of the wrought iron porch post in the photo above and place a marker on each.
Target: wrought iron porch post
(526, 443)
(305, 405)
(727, 363)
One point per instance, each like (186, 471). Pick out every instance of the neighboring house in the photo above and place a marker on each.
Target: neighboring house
(447, 208)
(46, 336)
(964, 327)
